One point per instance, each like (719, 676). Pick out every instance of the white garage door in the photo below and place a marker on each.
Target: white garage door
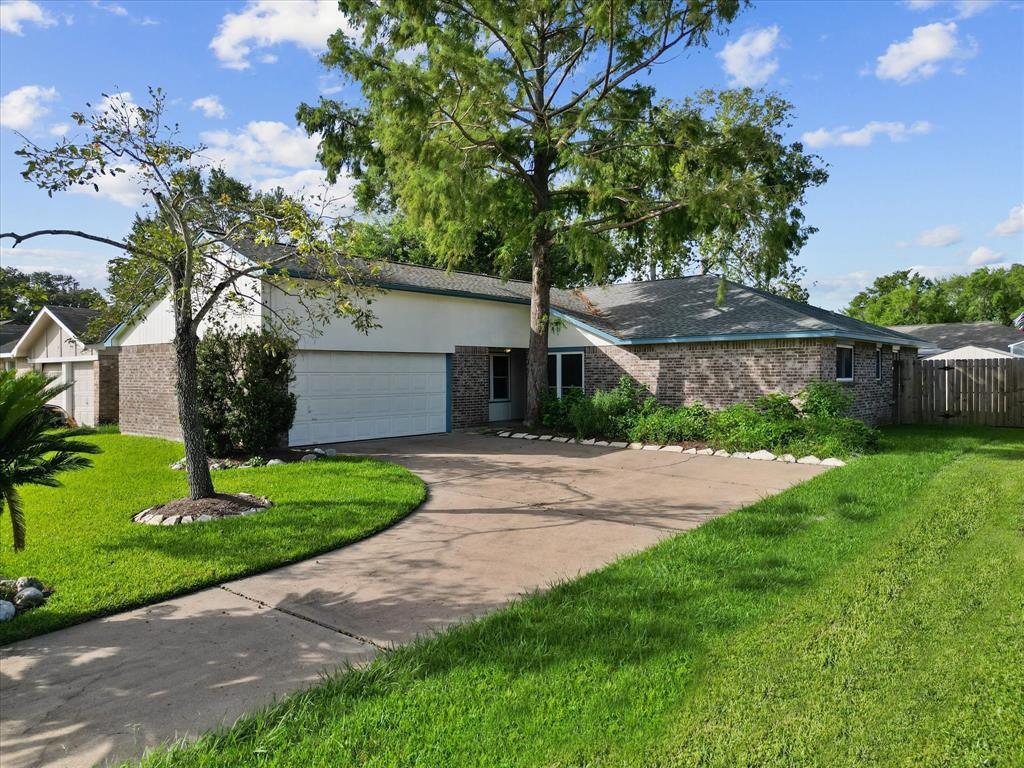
(361, 395)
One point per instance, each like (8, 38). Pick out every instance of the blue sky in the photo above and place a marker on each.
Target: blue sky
(917, 107)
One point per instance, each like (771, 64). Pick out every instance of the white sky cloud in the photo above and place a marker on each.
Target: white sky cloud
(1013, 223)
(90, 269)
(862, 137)
(983, 255)
(921, 5)
(936, 237)
(920, 55)
(22, 107)
(111, 8)
(210, 106)
(59, 129)
(14, 15)
(266, 23)
(122, 188)
(967, 8)
(749, 61)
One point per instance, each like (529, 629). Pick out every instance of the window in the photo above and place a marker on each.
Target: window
(499, 377)
(565, 370)
(878, 364)
(844, 363)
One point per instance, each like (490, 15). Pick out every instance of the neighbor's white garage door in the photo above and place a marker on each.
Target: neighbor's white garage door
(82, 394)
(361, 395)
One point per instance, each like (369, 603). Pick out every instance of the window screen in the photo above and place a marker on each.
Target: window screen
(553, 371)
(844, 363)
(878, 364)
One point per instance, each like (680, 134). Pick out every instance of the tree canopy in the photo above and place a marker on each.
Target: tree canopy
(180, 244)
(530, 121)
(904, 297)
(23, 294)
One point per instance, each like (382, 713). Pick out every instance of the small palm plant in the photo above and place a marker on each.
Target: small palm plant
(32, 450)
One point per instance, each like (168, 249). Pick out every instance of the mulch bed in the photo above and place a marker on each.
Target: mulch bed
(218, 505)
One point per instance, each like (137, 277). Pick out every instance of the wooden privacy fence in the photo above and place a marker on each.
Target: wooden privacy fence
(984, 392)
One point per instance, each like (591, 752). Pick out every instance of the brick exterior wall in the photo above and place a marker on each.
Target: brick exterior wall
(146, 400)
(106, 381)
(470, 386)
(717, 374)
(723, 373)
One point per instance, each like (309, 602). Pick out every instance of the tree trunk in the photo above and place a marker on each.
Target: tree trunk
(540, 310)
(200, 484)
(653, 262)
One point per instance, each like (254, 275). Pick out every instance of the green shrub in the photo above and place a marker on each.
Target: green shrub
(244, 398)
(828, 399)
(608, 414)
(670, 425)
(777, 406)
(840, 436)
(554, 412)
(742, 427)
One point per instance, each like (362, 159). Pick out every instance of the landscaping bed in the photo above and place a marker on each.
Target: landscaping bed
(83, 543)
(812, 424)
(870, 616)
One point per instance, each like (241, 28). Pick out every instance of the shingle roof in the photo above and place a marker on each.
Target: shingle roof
(683, 308)
(954, 335)
(9, 335)
(75, 319)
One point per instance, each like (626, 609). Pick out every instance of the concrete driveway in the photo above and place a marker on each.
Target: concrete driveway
(503, 517)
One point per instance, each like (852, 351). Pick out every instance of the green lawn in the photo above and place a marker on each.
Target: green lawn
(81, 539)
(871, 616)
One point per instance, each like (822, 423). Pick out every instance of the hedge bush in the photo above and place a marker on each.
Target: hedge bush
(813, 423)
(244, 399)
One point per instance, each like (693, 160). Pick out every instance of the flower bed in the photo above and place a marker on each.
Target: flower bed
(813, 424)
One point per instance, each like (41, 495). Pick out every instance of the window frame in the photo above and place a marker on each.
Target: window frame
(558, 370)
(507, 377)
(853, 363)
(878, 363)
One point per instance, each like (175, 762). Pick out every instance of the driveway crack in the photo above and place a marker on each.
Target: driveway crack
(294, 614)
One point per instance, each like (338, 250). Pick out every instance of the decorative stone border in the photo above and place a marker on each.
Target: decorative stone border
(313, 455)
(761, 455)
(151, 517)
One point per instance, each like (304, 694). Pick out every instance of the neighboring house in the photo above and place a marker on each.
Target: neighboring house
(961, 341)
(970, 352)
(9, 335)
(53, 344)
(451, 352)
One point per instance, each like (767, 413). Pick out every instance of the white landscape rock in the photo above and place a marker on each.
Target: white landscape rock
(602, 443)
(808, 460)
(741, 455)
(723, 453)
(186, 519)
(274, 462)
(762, 455)
(504, 434)
(618, 444)
(7, 610)
(154, 520)
(519, 435)
(545, 437)
(531, 437)
(691, 451)
(204, 518)
(705, 452)
(320, 451)
(635, 446)
(172, 520)
(560, 439)
(310, 457)
(330, 452)
(652, 448)
(588, 441)
(673, 448)
(833, 462)
(789, 458)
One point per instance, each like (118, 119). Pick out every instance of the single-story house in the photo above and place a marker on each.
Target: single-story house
(965, 341)
(53, 344)
(450, 352)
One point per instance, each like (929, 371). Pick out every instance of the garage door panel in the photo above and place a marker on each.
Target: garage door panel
(362, 395)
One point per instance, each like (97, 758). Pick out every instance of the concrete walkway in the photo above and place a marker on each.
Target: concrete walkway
(503, 517)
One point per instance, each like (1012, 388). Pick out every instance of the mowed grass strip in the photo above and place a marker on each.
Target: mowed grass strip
(81, 539)
(872, 615)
